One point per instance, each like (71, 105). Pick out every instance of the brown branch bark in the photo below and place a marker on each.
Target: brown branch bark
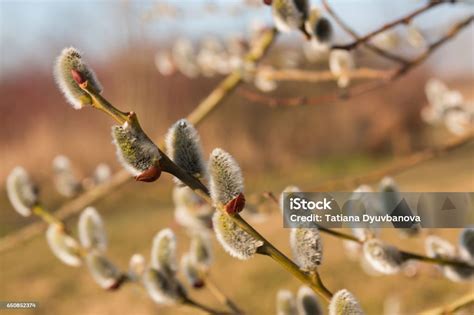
(349, 30)
(403, 20)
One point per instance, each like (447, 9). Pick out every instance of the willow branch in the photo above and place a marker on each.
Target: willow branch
(405, 254)
(397, 167)
(50, 219)
(349, 30)
(324, 99)
(323, 75)
(452, 32)
(403, 20)
(268, 249)
(204, 308)
(220, 296)
(456, 305)
(291, 267)
(197, 116)
(169, 166)
(358, 89)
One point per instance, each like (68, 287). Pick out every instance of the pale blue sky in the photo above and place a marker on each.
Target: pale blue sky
(33, 31)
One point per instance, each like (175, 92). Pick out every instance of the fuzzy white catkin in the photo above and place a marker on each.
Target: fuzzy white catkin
(458, 121)
(191, 271)
(344, 303)
(207, 62)
(285, 303)
(226, 177)
(466, 243)
(435, 91)
(388, 184)
(200, 250)
(387, 40)
(161, 287)
(459, 274)
(63, 246)
(135, 151)
(65, 181)
(383, 258)
(163, 251)
(21, 191)
(307, 302)
(164, 63)
(234, 240)
(438, 247)
(102, 270)
(323, 30)
(71, 59)
(391, 197)
(367, 267)
(183, 146)
(136, 265)
(262, 81)
(307, 247)
(288, 189)
(364, 202)
(341, 64)
(102, 173)
(288, 15)
(315, 51)
(184, 57)
(91, 229)
(415, 37)
(191, 211)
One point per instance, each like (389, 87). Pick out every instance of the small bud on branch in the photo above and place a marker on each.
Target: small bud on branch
(70, 71)
(63, 246)
(344, 303)
(22, 192)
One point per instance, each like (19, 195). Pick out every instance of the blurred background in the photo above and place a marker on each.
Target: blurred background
(123, 42)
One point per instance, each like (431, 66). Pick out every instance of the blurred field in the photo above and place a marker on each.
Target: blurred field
(135, 213)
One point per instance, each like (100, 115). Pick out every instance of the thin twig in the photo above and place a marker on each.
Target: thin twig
(406, 255)
(220, 296)
(206, 309)
(201, 112)
(397, 167)
(403, 20)
(349, 30)
(324, 99)
(50, 219)
(358, 89)
(323, 75)
(453, 31)
(460, 303)
(291, 267)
